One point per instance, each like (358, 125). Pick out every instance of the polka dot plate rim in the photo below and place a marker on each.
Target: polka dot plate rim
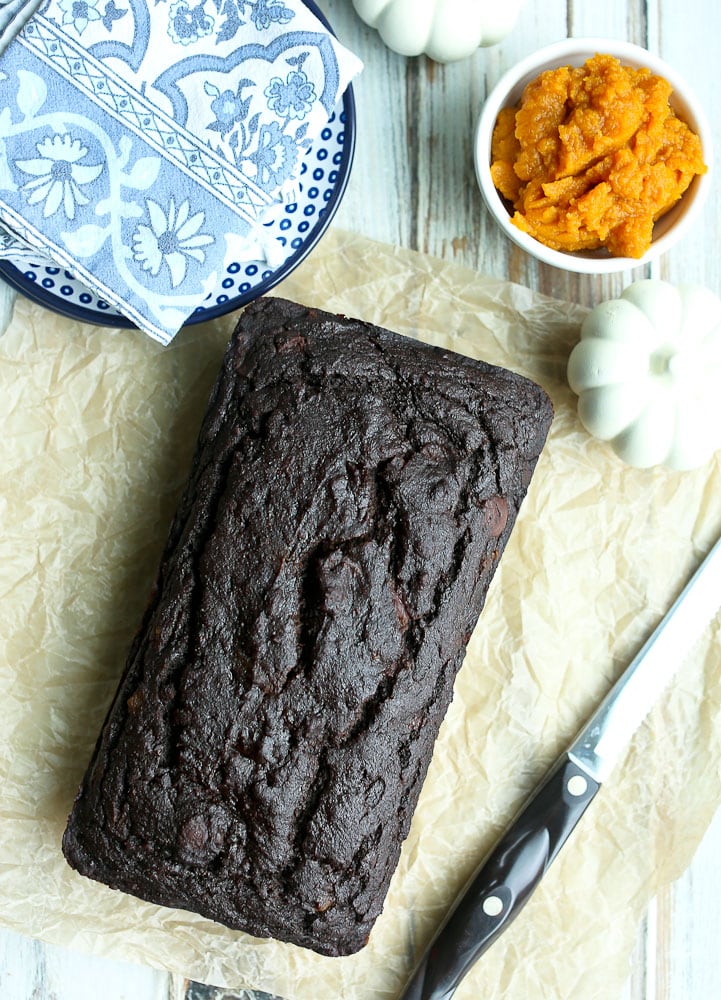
(299, 227)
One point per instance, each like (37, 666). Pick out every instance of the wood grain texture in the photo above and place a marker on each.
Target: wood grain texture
(413, 185)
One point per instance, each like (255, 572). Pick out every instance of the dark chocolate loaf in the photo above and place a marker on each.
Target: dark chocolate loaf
(349, 499)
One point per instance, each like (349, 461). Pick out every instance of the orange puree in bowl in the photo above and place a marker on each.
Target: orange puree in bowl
(593, 156)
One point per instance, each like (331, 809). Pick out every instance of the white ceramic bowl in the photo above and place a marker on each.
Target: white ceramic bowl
(574, 52)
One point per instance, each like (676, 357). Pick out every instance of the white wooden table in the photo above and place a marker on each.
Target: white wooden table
(413, 185)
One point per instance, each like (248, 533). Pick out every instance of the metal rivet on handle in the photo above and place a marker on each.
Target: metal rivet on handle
(577, 786)
(493, 906)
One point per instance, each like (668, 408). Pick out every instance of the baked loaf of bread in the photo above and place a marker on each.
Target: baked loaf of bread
(350, 496)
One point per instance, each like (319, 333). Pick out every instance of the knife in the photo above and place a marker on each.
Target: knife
(506, 879)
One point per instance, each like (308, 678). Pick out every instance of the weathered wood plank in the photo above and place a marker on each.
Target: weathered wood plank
(30, 970)
(22, 964)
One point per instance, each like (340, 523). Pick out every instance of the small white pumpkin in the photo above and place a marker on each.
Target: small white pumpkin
(647, 372)
(445, 30)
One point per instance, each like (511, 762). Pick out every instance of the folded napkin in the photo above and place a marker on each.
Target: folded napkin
(13, 16)
(143, 142)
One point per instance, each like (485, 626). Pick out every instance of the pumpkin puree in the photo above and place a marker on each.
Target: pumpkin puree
(593, 156)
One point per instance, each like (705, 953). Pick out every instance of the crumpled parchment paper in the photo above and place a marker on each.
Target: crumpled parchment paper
(98, 427)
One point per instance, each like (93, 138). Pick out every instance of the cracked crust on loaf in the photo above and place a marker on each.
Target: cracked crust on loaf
(350, 497)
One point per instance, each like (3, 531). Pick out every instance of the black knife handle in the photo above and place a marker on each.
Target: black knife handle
(504, 882)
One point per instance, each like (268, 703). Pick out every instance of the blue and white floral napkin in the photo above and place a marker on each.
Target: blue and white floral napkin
(14, 14)
(142, 142)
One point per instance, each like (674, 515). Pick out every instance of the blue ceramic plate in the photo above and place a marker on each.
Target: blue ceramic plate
(322, 184)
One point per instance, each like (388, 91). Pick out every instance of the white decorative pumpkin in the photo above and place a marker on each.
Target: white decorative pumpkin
(445, 30)
(647, 372)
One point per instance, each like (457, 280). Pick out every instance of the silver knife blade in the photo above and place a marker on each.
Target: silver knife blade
(608, 732)
(507, 877)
